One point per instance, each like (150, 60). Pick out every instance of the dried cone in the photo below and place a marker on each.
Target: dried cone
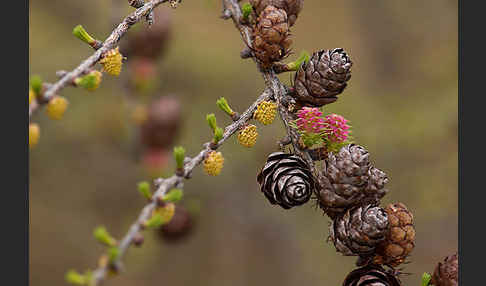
(446, 272)
(371, 275)
(322, 78)
(400, 237)
(271, 36)
(162, 122)
(359, 230)
(349, 180)
(179, 227)
(150, 42)
(291, 7)
(286, 180)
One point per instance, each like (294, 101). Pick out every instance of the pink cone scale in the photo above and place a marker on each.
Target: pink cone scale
(337, 128)
(310, 120)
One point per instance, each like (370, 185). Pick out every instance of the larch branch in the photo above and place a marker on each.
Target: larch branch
(164, 185)
(110, 43)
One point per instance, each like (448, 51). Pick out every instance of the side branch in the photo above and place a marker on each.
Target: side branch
(232, 8)
(107, 45)
(164, 185)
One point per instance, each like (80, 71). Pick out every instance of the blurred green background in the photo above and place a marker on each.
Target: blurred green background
(401, 100)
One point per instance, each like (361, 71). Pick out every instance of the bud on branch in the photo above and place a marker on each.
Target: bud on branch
(144, 189)
(179, 155)
(80, 33)
(102, 235)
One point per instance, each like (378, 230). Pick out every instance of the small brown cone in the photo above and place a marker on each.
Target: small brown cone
(447, 272)
(291, 7)
(371, 275)
(349, 180)
(271, 41)
(400, 238)
(359, 230)
(162, 123)
(179, 227)
(322, 78)
(150, 42)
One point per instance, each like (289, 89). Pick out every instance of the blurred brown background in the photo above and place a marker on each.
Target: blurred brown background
(401, 100)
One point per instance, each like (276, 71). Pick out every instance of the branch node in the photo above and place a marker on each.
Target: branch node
(136, 3)
(61, 73)
(150, 17)
(97, 44)
(226, 14)
(284, 142)
(160, 201)
(213, 145)
(246, 53)
(175, 3)
(131, 20)
(138, 240)
(318, 154)
(235, 116)
(179, 172)
(280, 68)
(158, 182)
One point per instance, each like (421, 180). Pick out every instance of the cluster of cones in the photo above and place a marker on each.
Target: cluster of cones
(348, 188)
(317, 81)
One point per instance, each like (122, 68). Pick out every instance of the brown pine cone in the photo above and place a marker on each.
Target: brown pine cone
(162, 124)
(319, 81)
(149, 42)
(179, 227)
(286, 180)
(446, 273)
(291, 7)
(359, 230)
(271, 38)
(371, 275)
(349, 180)
(400, 237)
